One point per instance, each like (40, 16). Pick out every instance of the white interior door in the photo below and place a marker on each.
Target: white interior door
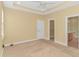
(40, 29)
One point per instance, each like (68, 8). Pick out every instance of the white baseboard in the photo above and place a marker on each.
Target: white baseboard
(2, 52)
(20, 42)
(60, 43)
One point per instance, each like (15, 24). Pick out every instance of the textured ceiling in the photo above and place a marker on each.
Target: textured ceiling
(39, 5)
(35, 5)
(42, 7)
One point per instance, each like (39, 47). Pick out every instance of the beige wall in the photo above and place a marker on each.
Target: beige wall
(59, 18)
(1, 49)
(19, 25)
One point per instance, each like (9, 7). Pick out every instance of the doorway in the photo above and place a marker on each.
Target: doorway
(40, 29)
(51, 30)
(73, 31)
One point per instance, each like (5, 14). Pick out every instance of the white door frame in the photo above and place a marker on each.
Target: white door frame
(2, 29)
(66, 27)
(49, 28)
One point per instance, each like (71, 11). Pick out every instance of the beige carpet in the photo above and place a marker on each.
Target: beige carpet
(40, 48)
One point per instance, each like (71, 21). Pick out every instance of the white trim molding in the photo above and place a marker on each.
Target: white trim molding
(64, 6)
(2, 29)
(49, 28)
(60, 43)
(19, 42)
(25, 9)
(56, 8)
